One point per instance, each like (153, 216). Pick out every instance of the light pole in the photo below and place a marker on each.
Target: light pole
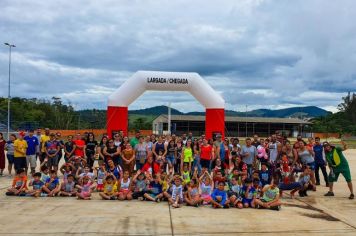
(8, 94)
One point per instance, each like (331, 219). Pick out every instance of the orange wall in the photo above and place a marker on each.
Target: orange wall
(326, 135)
(97, 132)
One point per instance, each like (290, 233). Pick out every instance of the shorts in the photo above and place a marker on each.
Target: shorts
(206, 198)
(204, 163)
(138, 194)
(85, 194)
(20, 162)
(10, 158)
(53, 161)
(170, 160)
(31, 160)
(125, 191)
(247, 201)
(290, 186)
(231, 193)
(100, 187)
(345, 172)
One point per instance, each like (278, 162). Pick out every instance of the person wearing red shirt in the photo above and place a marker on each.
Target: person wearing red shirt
(79, 146)
(151, 166)
(206, 154)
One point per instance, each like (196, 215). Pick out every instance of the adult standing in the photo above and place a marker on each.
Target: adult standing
(256, 142)
(20, 147)
(10, 152)
(103, 143)
(249, 155)
(128, 159)
(149, 143)
(2, 154)
(44, 138)
(61, 146)
(135, 139)
(52, 147)
(206, 155)
(338, 165)
(79, 146)
(32, 147)
(159, 147)
(112, 152)
(117, 140)
(141, 151)
(306, 157)
(38, 135)
(90, 149)
(320, 162)
(69, 148)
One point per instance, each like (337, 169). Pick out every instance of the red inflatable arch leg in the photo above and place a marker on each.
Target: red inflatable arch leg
(214, 122)
(117, 119)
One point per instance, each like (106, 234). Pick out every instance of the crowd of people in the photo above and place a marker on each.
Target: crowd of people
(195, 171)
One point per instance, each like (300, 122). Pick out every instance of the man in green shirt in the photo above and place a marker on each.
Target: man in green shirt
(338, 165)
(135, 139)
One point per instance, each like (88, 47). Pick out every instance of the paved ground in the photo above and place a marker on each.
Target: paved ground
(314, 215)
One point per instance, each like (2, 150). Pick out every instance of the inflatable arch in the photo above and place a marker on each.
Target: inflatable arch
(130, 90)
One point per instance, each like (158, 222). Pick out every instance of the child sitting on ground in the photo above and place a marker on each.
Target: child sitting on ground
(206, 186)
(66, 169)
(219, 197)
(125, 192)
(44, 174)
(177, 193)
(270, 197)
(110, 188)
(52, 187)
(193, 196)
(68, 187)
(86, 186)
(249, 194)
(36, 184)
(140, 184)
(154, 192)
(19, 184)
(235, 193)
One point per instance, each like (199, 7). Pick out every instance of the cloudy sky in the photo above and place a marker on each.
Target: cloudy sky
(263, 54)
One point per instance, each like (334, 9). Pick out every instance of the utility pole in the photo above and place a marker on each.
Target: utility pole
(8, 94)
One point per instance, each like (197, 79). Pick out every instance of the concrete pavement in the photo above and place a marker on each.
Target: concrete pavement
(313, 215)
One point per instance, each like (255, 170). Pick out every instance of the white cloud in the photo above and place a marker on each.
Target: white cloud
(264, 54)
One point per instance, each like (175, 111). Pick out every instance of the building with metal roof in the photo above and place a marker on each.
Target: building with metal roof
(234, 125)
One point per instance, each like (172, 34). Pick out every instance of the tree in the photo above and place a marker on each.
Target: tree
(348, 106)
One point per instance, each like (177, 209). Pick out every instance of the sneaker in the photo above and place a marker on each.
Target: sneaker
(44, 194)
(318, 183)
(157, 200)
(329, 194)
(305, 193)
(140, 198)
(112, 198)
(301, 193)
(352, 196)
(276, 208)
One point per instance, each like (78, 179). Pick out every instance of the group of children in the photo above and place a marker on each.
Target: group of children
(216, 188)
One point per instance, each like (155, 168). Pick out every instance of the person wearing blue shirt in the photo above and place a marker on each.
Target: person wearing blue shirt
(32, 149)
(219, 197)
(320, 162)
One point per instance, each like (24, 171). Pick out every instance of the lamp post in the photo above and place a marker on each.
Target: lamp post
(8, 94)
